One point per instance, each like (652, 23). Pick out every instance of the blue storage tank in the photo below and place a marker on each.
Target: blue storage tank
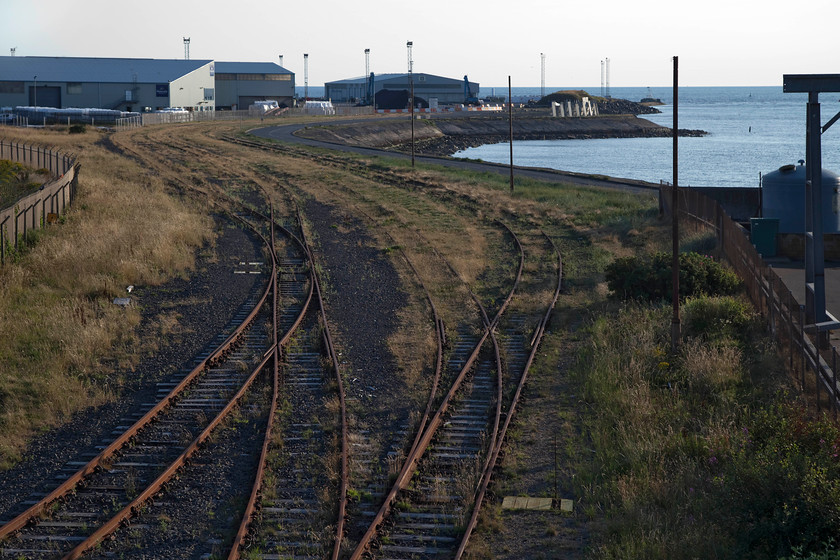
(783, 197)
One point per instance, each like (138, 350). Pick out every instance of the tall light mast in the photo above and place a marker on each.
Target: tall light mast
(305, 76)
(367, 76)
(186, 48)
(542, 74)
(608, 80)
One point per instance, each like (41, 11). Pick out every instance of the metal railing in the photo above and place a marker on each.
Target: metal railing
(43, 206)
(784, 315)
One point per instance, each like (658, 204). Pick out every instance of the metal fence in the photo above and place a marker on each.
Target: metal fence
(784, 315)
(45, 205)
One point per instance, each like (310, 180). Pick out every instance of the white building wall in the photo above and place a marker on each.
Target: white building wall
(188, 91)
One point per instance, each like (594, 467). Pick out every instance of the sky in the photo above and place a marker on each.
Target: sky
(718, 42)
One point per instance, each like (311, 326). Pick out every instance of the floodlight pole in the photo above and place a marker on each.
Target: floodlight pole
(676, 334)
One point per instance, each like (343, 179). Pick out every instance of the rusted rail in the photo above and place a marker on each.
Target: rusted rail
(251, 506)
(422, 444)
(491, 464)
(97, 462)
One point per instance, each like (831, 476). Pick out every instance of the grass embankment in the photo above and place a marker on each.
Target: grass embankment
(62, 341)
(703, 453)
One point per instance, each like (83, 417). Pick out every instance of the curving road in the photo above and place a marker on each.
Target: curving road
(286, 133)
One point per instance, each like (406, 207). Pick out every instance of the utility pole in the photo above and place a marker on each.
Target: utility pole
(409, 45)
(676, 334)
(510, 130)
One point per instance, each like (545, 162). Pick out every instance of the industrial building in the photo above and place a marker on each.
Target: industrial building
(240, 84)
(428, 87)
(126, 84)
(140, 84)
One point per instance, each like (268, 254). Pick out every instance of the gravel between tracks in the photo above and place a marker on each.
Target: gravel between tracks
(211, 286)
(363, 298)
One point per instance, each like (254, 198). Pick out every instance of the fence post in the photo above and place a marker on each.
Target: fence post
(802, 341)
(771, 290)
(834, 380)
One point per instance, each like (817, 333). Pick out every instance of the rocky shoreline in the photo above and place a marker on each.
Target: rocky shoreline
(444, 136)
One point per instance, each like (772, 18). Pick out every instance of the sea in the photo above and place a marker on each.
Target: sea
(751, 131)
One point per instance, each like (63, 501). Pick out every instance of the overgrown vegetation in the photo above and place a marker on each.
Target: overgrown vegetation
(650, 279)
(17, 180)
(702, 454)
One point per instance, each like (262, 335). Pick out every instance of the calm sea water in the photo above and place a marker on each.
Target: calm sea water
(752, 130)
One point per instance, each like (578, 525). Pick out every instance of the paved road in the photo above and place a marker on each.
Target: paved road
(286, 133)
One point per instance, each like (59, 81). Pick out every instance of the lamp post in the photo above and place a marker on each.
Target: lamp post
(409, 45)
(35, 91)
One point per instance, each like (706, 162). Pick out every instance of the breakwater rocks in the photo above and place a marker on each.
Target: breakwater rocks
(445, 136)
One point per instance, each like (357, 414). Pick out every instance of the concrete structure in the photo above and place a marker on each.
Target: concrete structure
(240, 84)
(426, 86)
(582, 108)
(126, 84)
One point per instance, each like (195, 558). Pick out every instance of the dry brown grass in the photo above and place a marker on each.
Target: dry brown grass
(55, 299)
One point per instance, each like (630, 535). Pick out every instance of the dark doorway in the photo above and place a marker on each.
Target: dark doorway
(48, 96)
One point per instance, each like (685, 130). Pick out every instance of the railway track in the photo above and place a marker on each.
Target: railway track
(119, 483)
(297, 506)
(114, 485)
(437, 512)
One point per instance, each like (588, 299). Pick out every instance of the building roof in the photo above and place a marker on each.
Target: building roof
(403, 76)
(119, 70)
(250, 68)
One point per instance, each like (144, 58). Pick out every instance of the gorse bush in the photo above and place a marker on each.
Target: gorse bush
(649, 279)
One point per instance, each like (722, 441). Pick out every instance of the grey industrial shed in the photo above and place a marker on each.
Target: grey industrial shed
(127, 84)
(239, 84)
(426, 86)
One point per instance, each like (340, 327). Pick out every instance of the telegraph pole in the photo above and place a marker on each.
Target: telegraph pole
(676, 334)
(510, 126)
(409, 45)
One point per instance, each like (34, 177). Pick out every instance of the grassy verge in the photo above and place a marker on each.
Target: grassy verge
(62, 342)
(702, 454)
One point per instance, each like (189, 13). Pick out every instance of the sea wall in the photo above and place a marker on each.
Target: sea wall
(445, 136)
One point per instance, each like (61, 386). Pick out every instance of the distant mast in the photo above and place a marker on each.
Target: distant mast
(607, 92)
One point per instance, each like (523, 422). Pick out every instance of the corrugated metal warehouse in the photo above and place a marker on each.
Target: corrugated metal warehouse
(239, 84)
(426, 86)
(140, 84)
(127, 84)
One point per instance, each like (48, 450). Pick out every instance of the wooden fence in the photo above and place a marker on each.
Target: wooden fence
(43, 206)
(784, 315)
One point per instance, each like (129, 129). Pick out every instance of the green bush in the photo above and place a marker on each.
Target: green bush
(779, 488)
(77, 129)
(717, 318)
(650, 278)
